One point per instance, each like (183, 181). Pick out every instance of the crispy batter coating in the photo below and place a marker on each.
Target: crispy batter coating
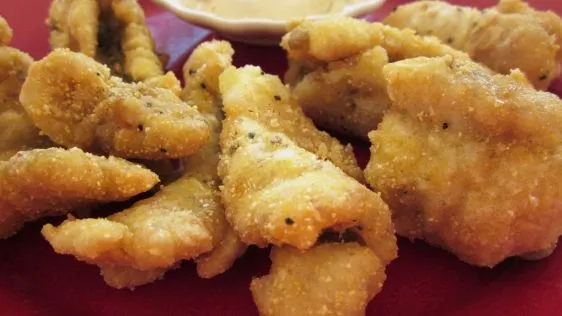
(46, 182)
(318, 42)
(339, 83)
(249, 92)
(126, 277)
(182, 221)
(167, 81)
(223, 255)
(329, 279)
(472, 163)
(349, 95)
(511, 36)
(17, 131)
(74, 100)
(175, 224)
(275, 192)
(112, 31)
(5, 31)
(201, 72)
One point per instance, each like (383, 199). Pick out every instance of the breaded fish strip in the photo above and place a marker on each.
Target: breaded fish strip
(275, 192)
(511, 36)
(328, 279)
(322, 41)
(182, 221)
(201, 74)
(249, 92)
(74, 100)
(339, 83)
(46, 182)
(17, 131)
(175, 224)
(472, 163)
(112, 31)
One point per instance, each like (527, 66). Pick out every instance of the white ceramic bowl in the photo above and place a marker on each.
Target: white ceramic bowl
(254, 30)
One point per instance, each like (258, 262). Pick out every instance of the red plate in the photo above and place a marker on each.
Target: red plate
(422, 281)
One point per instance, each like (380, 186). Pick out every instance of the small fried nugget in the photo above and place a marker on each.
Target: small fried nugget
(17, 131)
(328, 279)
(201, 75)
(551, 22)
(275, 192)
(504, 38)
(349, 95)
(5, 32)
(470, 165)
(112, 31)
(46, 182)
(74, 100)
(249, 92)
(346, 92)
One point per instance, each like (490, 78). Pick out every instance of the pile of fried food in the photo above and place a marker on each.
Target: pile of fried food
(465, 154)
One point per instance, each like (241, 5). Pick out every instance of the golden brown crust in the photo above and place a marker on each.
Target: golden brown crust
(46, 182)
(185, 220)
(223, 255)
(114, 32)
(249, 92)
(330, 279)
(17, 131)
(75, 102)
(275, 192)
(5, 32)
(177, 223)
(509, 36)
(471, 164)
(339, 83)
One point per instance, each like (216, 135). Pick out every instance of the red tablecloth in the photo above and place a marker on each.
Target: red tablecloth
(422, 281)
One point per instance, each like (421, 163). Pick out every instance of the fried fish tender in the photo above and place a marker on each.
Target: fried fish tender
(54, 181)
(471, 164)
(509, 36)
(112, 31)
(17, 131)
(74, 100)
(275, 192)
(249, 92)
(182, 221)
(157, 232)
(328, 279)
(339, 83)
(201, 72)
(314, 43)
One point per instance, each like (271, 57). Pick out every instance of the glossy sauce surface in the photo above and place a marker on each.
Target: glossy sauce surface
(270, 9)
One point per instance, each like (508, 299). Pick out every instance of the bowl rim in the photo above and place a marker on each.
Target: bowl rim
(210, 20)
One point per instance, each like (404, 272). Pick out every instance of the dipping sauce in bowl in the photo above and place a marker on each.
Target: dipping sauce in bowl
(261, 22)
(270, 9)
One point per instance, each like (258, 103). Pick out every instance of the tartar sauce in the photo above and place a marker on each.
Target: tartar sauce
(270, 9)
